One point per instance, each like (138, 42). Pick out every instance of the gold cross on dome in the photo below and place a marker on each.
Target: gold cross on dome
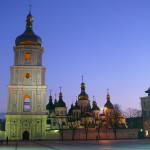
(107, 91)
(82, 78)
(60, 88)
(30, 8)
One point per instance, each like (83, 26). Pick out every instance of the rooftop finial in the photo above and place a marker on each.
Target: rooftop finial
(55, 95)
(107, 91)
(30, 8)
(108, 96)
(93, 98)
(50, 97)
(60, 88)
(82, 78)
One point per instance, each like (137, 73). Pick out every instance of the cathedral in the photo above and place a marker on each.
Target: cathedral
(28, 116)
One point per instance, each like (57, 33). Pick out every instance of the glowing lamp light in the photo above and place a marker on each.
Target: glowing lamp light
(146, 132)
(141, 130)
(56, 131)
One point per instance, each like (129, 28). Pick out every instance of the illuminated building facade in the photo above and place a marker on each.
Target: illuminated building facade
(28, 116)
(25, 118)
(145, 105)
(81, 115)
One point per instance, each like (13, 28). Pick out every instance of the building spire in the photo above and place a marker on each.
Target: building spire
(30, 8)
(82, 78)
(55, 101)
(29, 19)
(28, 37)
(107, 91)
(60, 88)
(82, 85)
(60, 94)
(108, 96)
(50, 97)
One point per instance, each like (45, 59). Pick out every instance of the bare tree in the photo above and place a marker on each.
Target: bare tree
(99, 126)
(61, 124)
(132, 113)
(73, 127)
(114, 121)
(61, 130)
(117, 108)
(86, 128)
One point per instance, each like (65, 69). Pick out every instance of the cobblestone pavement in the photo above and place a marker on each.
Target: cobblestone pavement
(77, 145)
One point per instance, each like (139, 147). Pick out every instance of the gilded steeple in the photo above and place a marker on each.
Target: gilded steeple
(55, 101)
(50, 97)
(60, 102)
(29, 21)
(108, 104)
(82, 85)
(83, 95)
(50, 106)
(28, 37)
(108, 96)
(60, 94)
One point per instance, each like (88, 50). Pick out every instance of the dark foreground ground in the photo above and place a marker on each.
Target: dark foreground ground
(78, 145)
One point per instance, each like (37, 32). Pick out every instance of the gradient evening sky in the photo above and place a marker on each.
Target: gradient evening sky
(106, 41)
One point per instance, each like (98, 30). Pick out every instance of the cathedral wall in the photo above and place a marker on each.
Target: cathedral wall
(68, 134)
(92, 133)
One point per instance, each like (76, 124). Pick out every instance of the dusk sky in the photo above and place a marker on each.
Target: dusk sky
(106, 41)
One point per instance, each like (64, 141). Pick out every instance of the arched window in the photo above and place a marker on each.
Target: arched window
(26, 105)
(28, 57)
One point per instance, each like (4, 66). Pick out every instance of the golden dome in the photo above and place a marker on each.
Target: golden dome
(83, 95)
(28, 37)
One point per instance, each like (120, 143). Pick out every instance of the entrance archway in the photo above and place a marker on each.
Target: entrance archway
(25, 135)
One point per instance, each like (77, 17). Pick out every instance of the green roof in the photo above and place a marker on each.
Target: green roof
(76, 107)
(60, 103)
(50, 106)
(95, 108)
(109, 105)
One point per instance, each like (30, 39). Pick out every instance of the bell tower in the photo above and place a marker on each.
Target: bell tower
(26, 111)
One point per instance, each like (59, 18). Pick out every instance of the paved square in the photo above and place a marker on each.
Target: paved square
(77, 145)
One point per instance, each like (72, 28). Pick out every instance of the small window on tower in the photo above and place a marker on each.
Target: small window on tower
(27, 75)
(28, 57)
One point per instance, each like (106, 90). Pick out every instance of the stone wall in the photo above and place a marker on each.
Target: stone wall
(2, 135)
(81, 135)
(91, 134)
